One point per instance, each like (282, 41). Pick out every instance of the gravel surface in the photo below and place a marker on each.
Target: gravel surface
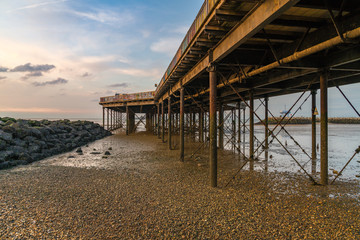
(142, 191)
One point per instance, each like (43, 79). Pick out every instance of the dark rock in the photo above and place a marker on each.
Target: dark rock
(35, 132)
(6, 155)
(19, 142)
(95, 153)
(6, 136)
(18, 162)
(4, 165)
(26, 157)
(3, 145)
(107, 153)
(71, 157)
(34, 148)
(79, 150)
(110, 148)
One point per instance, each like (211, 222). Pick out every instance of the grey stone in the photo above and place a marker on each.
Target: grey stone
(34, 148)
(6, 136)
(6, 155)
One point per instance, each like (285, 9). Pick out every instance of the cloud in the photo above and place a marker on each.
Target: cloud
(3, 69)
(54, 82)
(105, 16)
(32, 74)
(86, 75)
(119, 85)
(38, 5)
(135, 72)
(168, 46)
(33, 68)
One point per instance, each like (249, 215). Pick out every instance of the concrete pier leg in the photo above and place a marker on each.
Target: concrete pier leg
(324, 129)
(213, 127)
(182, 134)
(169, 123)
(163, 122)
(221, 128)
(251, 139)
(313, 132)
(266, 132)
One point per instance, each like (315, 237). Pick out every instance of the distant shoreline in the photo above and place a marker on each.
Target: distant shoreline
(307, 120)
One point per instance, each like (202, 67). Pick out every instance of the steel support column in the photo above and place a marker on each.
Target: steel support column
(158, 120)
(107, 120)
(103, 117)
(213, 126)
(127, 120)
(221, 127)
(239, 126)
(163, 122)
(182, 134)
(313, 132)
(251, 137)
(169, 122)
(201, 126)
(266, 132)
(324, 128)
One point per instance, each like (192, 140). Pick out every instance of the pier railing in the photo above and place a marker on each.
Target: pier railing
(128, 97)
(207, 7)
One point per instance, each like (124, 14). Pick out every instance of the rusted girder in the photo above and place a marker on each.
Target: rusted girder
(324, 174)
(213, 128)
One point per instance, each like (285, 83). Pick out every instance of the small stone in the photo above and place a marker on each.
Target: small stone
(95, 153)
(358, 176)
(110, 148)
(79, 150)
(104, 157)
(107, 153)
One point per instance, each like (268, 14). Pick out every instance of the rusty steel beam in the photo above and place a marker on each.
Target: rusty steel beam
(221, 127)
(169, 123)
(266, 100)
(182, 134)
(251, 136)
(163, 122)
(324, 174)
(313, 132)
(127, 120)
(213, 126)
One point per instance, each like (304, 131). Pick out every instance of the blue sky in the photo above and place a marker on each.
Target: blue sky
(95, 48)
(58, 57)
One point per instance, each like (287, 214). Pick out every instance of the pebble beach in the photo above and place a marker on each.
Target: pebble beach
(142, 191)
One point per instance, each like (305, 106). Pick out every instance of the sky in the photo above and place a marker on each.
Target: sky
(58, 57)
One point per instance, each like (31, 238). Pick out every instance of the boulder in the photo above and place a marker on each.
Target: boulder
(6, 136)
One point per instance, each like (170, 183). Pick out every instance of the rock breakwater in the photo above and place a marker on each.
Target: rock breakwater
(26, 141)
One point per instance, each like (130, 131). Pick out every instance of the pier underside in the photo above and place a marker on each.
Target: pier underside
(246, 51)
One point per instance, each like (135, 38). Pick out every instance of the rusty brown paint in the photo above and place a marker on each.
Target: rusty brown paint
(169, 122)
(221, 127)
(251, 137)
(182, 135)
(213, 127)
(313, 132)
(324, 175)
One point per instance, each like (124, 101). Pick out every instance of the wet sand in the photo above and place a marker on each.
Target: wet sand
(142, 191)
